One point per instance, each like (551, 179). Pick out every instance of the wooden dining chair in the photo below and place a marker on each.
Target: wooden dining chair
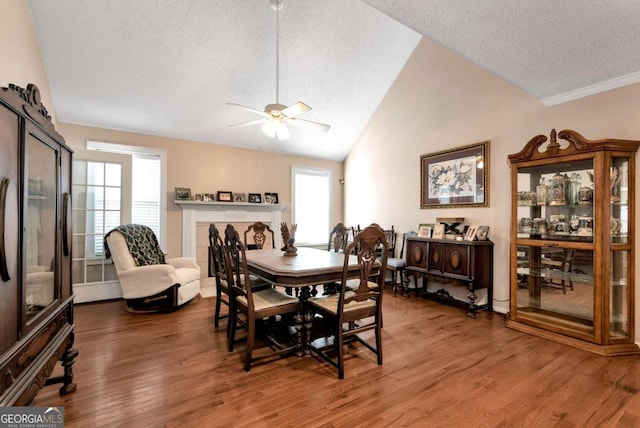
(261, 231)
(247, 306)
(358, 306)
(217, 269)
(397, 266)
(339, 237)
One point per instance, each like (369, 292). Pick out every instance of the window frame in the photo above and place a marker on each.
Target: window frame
(142, 151)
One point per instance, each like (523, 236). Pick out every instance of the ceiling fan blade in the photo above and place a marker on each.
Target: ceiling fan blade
(282, 131)
(253, 122)
(296, 109)
(260, 112)
(310, 124)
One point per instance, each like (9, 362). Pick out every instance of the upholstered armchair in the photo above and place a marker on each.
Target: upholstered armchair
(150, 282)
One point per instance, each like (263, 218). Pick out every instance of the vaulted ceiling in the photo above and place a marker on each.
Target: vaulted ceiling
(169, 67)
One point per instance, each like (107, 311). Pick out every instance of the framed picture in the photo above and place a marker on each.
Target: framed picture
(483, 233)
(270, 198)
(455, 178)
(225, 196)
(208, 197)
(239, 197)
(255, 198)
(183, 194)
(198, 197)
(424, 230)
(438, 231)
(470, 235)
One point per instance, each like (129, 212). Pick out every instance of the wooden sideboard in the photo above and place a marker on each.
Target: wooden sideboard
(463, 263)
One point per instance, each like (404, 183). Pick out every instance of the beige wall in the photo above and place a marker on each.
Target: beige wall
(207, 168)
(441, 101)
(22, 63)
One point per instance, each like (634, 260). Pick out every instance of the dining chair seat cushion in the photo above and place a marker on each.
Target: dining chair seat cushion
(268, 298)
(330, 303)
(396, 263)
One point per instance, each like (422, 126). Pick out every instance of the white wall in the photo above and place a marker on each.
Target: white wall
(21, 59)
(442, 101)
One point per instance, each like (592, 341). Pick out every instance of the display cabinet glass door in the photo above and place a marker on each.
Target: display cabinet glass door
(556, 286)
(556, 202)
(619, 290)
(40, 227)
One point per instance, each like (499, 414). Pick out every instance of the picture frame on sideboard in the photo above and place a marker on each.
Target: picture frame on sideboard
(438, 231)
(425, 230)
(471, 233)
(483, 233)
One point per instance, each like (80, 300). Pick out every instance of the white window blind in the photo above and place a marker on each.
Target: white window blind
(145, 192)
(311, 204)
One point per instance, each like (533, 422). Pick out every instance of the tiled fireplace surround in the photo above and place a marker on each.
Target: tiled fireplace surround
(196, 217)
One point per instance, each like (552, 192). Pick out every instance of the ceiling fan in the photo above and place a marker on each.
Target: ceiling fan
(276, 116)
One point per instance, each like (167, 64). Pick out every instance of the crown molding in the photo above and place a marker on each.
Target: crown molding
(607, 85)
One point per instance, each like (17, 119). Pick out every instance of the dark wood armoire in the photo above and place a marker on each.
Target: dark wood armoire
(36, 303)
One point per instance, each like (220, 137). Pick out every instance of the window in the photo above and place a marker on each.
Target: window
(311, 204)
(97, 197)
(112, 184)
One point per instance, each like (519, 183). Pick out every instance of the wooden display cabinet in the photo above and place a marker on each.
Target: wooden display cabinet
(572, 242)
(36, 302)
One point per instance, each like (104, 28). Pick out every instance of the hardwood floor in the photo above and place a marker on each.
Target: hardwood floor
(440, 369)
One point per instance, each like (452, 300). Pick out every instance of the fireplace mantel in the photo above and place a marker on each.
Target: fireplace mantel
(194, 212)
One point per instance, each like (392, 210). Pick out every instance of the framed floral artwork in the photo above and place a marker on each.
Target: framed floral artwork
(455, 178)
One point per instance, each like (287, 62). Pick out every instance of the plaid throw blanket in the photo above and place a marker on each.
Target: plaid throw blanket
(142, 242)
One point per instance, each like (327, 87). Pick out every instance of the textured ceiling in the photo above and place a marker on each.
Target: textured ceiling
(168, 67)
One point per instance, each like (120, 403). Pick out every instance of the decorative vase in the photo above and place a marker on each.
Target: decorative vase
(542, 193)
(557, 196)
(585, 195)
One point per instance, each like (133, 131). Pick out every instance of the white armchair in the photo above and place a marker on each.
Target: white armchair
(153, 287)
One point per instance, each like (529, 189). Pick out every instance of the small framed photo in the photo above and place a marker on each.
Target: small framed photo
(198, 197)
(183, 194)
(438, 231)
(424, 230)
(208, 197)
(472, 231)
(225, 196)
(483, 233)
(255, 198)
(239, 197)
(270, 198)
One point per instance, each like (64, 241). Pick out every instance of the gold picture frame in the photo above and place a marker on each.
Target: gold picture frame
(455, 178)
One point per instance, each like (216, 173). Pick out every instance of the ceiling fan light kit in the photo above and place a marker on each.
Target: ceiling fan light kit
(276, 115)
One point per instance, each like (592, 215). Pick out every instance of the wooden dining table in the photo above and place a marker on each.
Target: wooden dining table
(300, 273)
